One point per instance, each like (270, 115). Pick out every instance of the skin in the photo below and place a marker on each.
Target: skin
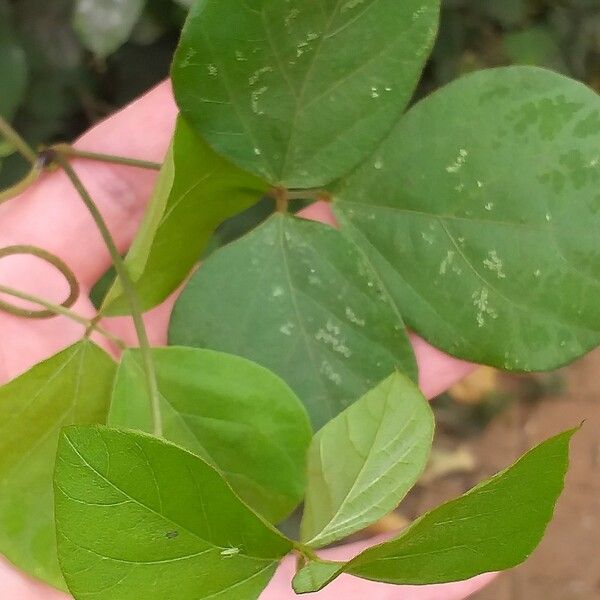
(51, 215)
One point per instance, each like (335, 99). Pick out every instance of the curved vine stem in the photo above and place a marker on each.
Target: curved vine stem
(128, 289)
(22, 147)
(59, 309)
(22, 185)
(58, 264)
(69, 151)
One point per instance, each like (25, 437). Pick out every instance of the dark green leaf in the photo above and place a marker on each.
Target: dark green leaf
(197, 190)
(495, 526)
(71, 387)
(104, 25)
(13, 66)
(363, 462)
(481, 212)
(137, 517)
(235, 414)
(296, 298)
(300, 91)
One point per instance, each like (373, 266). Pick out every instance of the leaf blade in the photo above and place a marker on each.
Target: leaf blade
(315, 575)
(197, 535)
(330, 330)
(263, 102)
(474, 228)
(385, 438)
(419, 556)
(104, 25)
(196, 192)
(70, 387)
(232, 413)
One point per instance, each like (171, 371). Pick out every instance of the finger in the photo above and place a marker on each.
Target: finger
(51, 215)
(17, 586)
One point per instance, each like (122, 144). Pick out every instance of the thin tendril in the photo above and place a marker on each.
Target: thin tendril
(22, 185)
(59, 309)
(56, 262)
(128, 288)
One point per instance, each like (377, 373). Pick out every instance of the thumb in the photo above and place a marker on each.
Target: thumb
(51, 214)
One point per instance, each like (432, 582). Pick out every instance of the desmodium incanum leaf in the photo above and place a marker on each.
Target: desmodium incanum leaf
(303, 90)
(315, 575)
(197, 190)
(235, 414)
(137, 515)
(481, 213)
(70, 387)
(295, 297)
(493, 527)
(362, 463)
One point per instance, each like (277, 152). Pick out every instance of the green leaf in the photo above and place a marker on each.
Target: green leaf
(363, 462)
(104, 25)
(13, 66)
(302, 91)
(71, 387)
(295, 297)
(196, 191)
(481, 212)
(493, 527)
(137, 517)
(535, 46)
(315, 575)
(234, 414)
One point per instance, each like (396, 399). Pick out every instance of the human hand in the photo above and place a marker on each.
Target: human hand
(51, 215)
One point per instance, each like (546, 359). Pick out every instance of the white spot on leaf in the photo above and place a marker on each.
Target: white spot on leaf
(493, 263)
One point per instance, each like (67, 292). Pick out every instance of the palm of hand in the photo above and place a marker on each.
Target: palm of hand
(51, 216)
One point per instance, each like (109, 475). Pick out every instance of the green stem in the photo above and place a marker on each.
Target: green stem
(58, 309)
(69, 151)
(128, 289)
(314, 195)
(305, 551)
(17, 142)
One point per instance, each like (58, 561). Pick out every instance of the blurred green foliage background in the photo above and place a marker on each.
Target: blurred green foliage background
(64, 64)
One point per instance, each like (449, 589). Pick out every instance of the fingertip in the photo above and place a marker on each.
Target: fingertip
(319, 211)
(438, 371)
(142, 129)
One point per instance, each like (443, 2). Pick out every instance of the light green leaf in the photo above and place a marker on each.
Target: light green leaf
(315, 575)
(495, 526)
(302, 90)
(71, 387)
(234, 414)
(363, 462)
(104, 25)
(296, 298)
(481, 212)
(196, 191)
(137, 517)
